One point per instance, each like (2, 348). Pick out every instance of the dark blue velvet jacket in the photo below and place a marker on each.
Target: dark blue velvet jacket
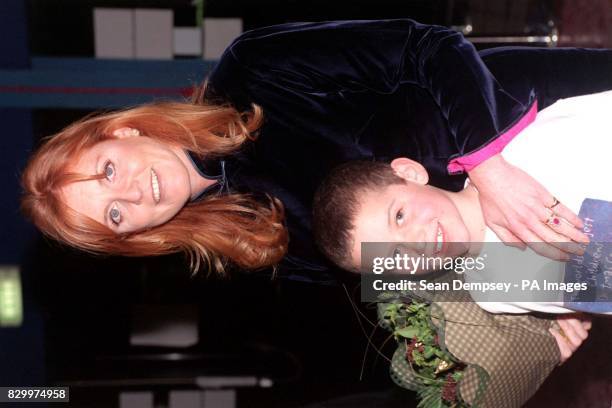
(376, 90)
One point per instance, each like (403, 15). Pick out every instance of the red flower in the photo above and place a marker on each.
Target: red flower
(449, 389)
(414, 343)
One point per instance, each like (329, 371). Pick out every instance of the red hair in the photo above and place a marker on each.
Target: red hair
(235, 227)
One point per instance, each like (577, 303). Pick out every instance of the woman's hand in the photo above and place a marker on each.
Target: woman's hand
(520, 210)
(574, 330)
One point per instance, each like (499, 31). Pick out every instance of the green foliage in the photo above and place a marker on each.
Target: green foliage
(408, 332)
(437, 371)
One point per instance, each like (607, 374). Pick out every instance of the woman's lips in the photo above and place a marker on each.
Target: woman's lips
(155, 190)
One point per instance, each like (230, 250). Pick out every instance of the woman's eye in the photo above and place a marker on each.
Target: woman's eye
(115, 215)
(399, 217)
(109, 170)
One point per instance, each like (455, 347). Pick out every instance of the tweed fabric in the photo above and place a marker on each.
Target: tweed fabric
(516, 351)
(401, 371)
(507, 357)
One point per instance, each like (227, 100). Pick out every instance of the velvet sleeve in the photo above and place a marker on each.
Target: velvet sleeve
(380, 56)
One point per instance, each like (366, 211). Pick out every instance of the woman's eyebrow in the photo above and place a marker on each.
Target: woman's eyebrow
(389, 214)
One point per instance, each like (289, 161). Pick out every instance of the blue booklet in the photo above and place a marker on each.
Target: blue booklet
(594, 268)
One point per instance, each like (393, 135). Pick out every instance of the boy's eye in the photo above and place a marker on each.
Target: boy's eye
(399, 217)
(115, 215)
(109, 170)
(397, 252)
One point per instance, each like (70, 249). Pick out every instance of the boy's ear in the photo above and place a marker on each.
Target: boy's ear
(126, 132)
(410, 170)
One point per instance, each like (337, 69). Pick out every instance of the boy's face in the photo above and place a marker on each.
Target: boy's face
(421, 216)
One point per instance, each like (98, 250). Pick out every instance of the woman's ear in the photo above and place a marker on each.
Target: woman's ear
(410, 170)
(126, 132)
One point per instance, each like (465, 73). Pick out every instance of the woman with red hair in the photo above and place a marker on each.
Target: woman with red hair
(110, 183)
(224, 176)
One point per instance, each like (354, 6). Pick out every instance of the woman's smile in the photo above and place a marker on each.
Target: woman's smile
(155, 187)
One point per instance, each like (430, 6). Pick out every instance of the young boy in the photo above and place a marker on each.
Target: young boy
(567, 149)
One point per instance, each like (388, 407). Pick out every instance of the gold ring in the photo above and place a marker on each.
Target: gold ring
(562, 333)
(554, 204)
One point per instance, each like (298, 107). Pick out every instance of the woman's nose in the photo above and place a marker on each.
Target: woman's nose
(132, 193)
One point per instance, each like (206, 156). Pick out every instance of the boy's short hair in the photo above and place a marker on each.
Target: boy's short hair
(337, 201)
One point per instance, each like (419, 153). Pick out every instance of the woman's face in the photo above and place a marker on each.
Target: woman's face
(145, 183)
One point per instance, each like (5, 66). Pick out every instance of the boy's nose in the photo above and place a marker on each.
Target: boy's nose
(420, 244)
(417, 239)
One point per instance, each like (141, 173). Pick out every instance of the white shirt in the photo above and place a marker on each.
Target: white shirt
(568, 150)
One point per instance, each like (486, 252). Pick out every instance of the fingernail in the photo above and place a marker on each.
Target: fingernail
(576, 249)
